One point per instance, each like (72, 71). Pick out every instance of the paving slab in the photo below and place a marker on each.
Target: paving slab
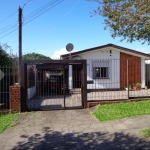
(119, 126)
(73, 130)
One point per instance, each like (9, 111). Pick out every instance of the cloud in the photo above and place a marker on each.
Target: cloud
(57, 54)
(62, 51)
(144, 50)
(44, 52)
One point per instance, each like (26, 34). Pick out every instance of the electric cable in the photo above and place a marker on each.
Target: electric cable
(39, 9)
(29, 20)
(8, 33)
(11, 27)
(66, 14)
(8, 17)
(43, 12)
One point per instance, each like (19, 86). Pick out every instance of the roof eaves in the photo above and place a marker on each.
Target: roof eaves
(108, 45)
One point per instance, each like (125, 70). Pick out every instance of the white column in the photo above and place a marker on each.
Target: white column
(143, 73)
(70, 77)
(35, 79)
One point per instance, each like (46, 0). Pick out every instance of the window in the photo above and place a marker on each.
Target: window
(100, 72)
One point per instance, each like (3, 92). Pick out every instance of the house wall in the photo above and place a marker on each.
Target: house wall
(99, 56)
(118, 77)
(132, 72)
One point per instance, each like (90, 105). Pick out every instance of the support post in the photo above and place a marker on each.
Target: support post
(23, 83)
(70, 77)
(64, 91)
(84, 87)
(128, 78)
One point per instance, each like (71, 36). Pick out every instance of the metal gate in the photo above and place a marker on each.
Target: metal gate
(7, 78)
(53, 84)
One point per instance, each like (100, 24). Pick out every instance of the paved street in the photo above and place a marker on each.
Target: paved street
(73, 130)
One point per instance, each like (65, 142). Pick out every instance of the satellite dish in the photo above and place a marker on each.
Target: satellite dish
(77, 57)
(69, 47)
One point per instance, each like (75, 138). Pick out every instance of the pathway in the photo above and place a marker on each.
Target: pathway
(73, 130)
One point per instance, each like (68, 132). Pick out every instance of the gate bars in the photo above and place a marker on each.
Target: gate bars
(24, 85)
(7, 78)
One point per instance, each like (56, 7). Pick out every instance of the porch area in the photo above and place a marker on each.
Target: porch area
(55, 102)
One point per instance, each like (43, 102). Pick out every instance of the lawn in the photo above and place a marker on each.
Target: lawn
(5, 120)
(145, 133)
(122, 110)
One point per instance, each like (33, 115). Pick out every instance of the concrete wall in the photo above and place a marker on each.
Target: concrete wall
(31, 92)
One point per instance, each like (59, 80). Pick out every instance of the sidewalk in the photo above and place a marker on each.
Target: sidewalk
(73, 130)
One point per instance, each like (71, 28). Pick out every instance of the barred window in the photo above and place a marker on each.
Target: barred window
(100, 72)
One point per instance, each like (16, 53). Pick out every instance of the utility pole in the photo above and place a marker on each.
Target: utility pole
(19, 42)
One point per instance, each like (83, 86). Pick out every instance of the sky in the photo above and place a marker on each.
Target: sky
(67, 21)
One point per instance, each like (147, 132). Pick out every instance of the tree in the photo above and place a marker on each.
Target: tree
(33, 56)
(5, 58)
(129, 19)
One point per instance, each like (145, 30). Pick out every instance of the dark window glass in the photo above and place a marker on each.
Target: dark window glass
(100, 72)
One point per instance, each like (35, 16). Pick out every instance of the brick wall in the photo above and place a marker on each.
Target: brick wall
(15, 98)
(134, 69)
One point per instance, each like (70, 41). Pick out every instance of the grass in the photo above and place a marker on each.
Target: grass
(145, 133)
(5, 120)
(122, 110)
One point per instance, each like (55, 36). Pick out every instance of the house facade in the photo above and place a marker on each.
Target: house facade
(110, 67)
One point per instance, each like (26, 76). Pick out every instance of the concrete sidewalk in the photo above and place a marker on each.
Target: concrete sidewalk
(73, 130)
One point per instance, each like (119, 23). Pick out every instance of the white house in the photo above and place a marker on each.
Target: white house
(111, 67)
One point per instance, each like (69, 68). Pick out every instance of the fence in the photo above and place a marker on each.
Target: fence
(117, 79)
(7, 78)
(107, 79)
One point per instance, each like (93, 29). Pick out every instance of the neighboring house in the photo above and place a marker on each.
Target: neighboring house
(110, 67)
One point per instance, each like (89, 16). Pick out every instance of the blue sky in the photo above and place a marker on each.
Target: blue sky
(68, 22)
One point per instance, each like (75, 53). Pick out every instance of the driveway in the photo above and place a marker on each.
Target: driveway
(73, 130)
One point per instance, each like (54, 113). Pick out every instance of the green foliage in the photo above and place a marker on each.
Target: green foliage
(122, 110)
(5, 120)
(34, 56)
(138, 84)
(5, 59)
(145, 133)
(129, 19)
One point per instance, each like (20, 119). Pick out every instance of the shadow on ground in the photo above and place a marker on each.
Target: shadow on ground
(55, 140)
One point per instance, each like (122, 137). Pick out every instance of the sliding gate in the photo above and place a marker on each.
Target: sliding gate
(53, 84)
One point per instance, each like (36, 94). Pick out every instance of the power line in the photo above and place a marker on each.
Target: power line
(8, 33)
(15, 12)
(39, 10)
(8, 28)
(43, 12)
(29, 20)
(66, 14)
(3, 30)
(8, 17)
